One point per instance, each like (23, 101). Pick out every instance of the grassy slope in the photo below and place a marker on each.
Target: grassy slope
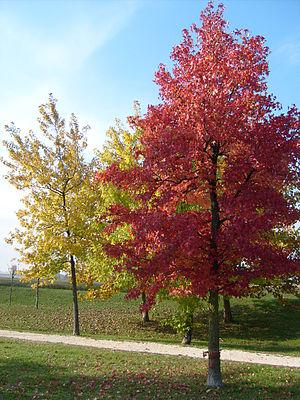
(57, 372)
(261, 325)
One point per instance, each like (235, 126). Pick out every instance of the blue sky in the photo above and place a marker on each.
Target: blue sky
(97, 57)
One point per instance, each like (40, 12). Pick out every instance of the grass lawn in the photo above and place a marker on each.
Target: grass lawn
(58, 372)
(260, 325)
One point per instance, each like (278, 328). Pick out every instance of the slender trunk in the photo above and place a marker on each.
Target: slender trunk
(145, 314)
(37, 293)
(76, 330)
(227, 310)
(187, 338)
(11, 289)
(214, 378)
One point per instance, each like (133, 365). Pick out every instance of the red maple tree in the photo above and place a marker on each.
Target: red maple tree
(217, 156)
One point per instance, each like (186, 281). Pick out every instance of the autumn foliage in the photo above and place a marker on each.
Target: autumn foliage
(218, 158)
(199, 200)
(216, 151)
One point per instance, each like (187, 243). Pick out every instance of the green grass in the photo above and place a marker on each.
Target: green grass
(260, 325)
(58, 372)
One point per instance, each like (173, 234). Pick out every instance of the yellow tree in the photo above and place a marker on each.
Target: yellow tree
(55, 221)
(121, 148)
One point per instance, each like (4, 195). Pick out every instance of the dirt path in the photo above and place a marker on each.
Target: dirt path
(155, 348)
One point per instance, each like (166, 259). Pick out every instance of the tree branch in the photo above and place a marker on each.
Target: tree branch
(248, 177)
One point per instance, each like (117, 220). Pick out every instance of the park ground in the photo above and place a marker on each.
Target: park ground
(47, 371)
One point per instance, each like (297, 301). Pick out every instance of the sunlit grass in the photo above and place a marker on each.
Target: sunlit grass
(260, 325)
(58, 372)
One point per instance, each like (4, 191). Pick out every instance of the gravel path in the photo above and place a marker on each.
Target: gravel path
(155, 348)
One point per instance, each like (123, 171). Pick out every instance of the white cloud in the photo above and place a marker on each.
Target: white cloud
(35, 61)
(68, 45)
(290, 51)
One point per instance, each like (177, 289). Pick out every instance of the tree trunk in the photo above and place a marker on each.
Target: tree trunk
(227, 310)
(187, 338)
(76, 330)
(11, 288)
(214, 378)
(145, 314)
(37, 294)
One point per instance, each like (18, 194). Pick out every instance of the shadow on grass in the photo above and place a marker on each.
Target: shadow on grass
(266, 325)
(155, 326)
(269, 319)
(259, 325)
(32, 380)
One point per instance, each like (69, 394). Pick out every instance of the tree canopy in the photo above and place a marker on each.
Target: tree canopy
(59, 205)
(217, 157)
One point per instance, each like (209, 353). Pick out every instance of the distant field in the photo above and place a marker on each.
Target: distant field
(58, 284)
(58, 372)
(260, 325)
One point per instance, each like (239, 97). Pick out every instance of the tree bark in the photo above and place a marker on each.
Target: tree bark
(214, 378)
(145, 314)
(37, 294)
(187, 338)
(227, 310)
(76, 330)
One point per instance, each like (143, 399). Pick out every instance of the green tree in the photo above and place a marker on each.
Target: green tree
(289, 284)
